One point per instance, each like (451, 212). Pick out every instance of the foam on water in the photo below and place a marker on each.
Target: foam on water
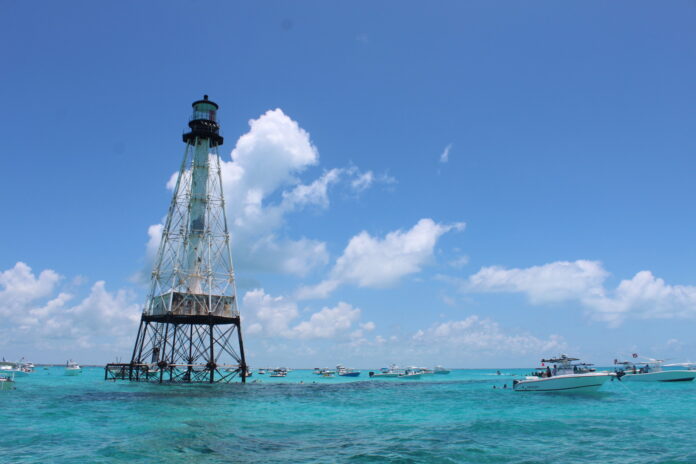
(454, 418)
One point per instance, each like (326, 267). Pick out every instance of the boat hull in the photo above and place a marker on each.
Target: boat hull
(350, 374)
(73, 371)
(662, 376)
(572, 383)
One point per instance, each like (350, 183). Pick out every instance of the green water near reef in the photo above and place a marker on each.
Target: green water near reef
(54, 418)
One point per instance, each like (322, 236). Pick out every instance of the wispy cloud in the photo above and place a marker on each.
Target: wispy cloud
(444, 157)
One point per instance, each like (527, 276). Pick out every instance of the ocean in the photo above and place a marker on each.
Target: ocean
(455, 418)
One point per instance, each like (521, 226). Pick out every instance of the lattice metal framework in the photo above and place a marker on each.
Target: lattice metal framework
(190, 328)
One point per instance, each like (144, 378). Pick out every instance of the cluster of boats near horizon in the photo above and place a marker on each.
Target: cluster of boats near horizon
(341, 371)
(559, 374)
(10, 370)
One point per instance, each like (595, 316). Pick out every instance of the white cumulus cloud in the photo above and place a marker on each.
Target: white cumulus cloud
(375, 262)
(20, 287)
(36, 314)
(262, 186)
(644, 296)
(556, 281)
(277, 316)
(475, 335)
(328, 322)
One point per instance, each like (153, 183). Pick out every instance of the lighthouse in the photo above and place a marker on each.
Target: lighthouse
(190, 328)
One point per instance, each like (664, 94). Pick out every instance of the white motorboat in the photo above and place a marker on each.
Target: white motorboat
(72, 368)
(411, 373)
(440, 370)
(25, 367)
(261, 372)
(653, 371)
(346, 371)
(386, 372)
(14, 369)
(280, 372)
(564, 376)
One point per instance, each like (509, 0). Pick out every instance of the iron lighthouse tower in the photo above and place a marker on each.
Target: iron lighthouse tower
(190, 329)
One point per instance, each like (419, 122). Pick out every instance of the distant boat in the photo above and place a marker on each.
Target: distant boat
(12, 368)
(280, 372)
(386, 372)
(411, 373)
(440, 370)
(261, 372)
(395, 372)
(346, 372)
(25, 366)
(72, 368)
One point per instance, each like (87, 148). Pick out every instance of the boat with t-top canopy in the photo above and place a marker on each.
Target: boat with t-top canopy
(562, 374)
(652, 370)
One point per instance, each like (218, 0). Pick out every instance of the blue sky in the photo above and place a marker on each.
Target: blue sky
(571, 154)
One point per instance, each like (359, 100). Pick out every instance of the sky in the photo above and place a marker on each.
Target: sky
(466, 183)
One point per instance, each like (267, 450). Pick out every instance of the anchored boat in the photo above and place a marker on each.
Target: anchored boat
(564, 376)
(440, 370)
(72, 368)
(652, 371)
(346, 372)
(391, 371)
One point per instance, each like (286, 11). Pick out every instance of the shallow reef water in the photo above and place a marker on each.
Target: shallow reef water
(455, 418)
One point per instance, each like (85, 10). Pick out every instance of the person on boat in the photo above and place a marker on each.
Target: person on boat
(548, 371)
(555, 369)
(634, 368)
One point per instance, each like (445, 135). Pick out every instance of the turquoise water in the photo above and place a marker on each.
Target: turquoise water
(455, 418)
